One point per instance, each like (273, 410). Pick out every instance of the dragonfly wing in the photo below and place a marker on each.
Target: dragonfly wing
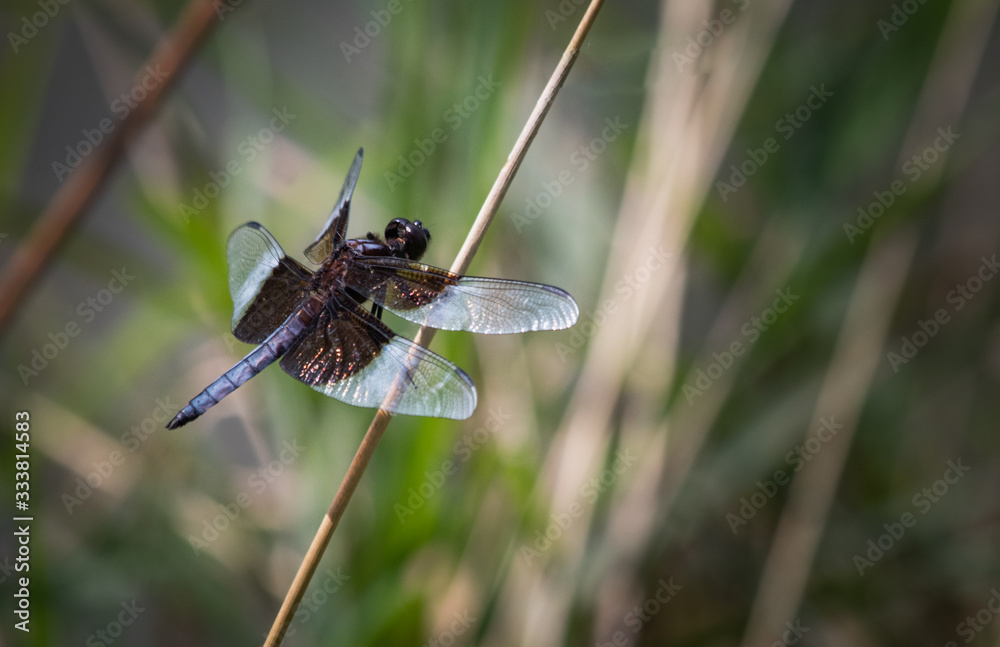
(440, 299)
(335, 229)
(265, 284)
(353, 357)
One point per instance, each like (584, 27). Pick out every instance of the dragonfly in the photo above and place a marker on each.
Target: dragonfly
(314, 323)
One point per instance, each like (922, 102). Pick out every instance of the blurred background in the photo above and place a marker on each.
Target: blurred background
(775, 422)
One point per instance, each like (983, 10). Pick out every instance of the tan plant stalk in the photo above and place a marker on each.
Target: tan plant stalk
(846, 384)
(425, 335)
(70, 202)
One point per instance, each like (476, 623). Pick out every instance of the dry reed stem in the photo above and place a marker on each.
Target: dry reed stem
(70, 202)
(378, 426)
(847, 381)
(686, 123)
(943, 99)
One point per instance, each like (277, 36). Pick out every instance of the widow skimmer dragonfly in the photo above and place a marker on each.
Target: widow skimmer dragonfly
(316, 325)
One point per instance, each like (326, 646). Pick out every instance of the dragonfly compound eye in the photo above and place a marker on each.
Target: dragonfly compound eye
(411, 234)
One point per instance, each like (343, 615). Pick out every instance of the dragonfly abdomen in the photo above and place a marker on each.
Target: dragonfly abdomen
(272, 348)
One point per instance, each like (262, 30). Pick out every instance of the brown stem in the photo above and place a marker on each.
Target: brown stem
(81, 188)
(424, 336)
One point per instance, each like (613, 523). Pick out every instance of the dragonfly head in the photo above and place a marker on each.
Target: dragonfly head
(407, 239)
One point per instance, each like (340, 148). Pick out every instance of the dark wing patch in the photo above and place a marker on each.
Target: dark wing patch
(351, 356)
(265, 285)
